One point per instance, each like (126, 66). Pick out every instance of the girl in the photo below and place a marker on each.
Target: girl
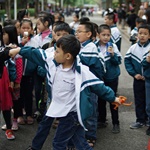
(10, 36)
(26, 39)
(7, 77)
(44, 36)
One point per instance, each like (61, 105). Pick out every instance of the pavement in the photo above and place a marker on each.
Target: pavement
(127, 139)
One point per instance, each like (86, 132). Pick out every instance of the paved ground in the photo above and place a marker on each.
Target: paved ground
(127, 139)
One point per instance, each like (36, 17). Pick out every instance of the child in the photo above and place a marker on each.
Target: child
(67, 71)
(146, 67)
(60, 29)
(26, 99)
(7, 77)
(112, 59)
(133, 63)
(10, 36)
(115, 33)
(22, 14)
(75, 22)
(45, 35)
(89, 56)
(134, 32)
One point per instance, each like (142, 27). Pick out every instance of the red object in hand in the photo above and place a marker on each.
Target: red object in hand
(122, 100)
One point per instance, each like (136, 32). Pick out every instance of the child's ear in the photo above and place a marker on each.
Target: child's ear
(46, 23)
(68, 56)
(89, 34)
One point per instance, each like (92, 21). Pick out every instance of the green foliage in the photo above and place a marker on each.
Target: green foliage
(115, 4)
(31, 12)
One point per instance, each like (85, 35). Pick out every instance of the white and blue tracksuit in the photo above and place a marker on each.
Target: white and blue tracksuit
(133, 64)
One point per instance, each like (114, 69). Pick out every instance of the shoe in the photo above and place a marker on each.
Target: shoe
(21, 121)
(116, 129)
(4, 127)
(9, 134)
(148, 131)
(30, 120)
(102, 124)
(14, 125)
(137, 125)
(91, 142)
(147, 124)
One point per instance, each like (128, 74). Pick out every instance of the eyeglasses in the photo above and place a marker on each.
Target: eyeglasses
(80, 32)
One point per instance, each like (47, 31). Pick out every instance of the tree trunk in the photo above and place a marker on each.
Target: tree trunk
(36, 8)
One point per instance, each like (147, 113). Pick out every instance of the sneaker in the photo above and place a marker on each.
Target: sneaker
(137, 125)
(14, 125)
(4, 127)
(148, 131)
(116, 129)
(9, 134)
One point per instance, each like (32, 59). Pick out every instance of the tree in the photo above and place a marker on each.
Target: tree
(7, 8)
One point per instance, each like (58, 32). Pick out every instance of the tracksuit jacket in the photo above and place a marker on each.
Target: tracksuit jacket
(85, 81)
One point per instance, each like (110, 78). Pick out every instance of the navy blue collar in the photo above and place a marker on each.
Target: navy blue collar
(144, 45)
(85, 43)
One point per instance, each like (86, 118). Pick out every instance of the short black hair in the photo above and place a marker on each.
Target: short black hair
(88, 27)
(111, 16)
(144, 26)
(26, 20)
(63, 27)
(21, 14)
(84, 19)
(140, 20)
(103, 27)
(69, 44)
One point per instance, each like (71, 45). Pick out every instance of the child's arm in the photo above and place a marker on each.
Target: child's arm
(33, 54)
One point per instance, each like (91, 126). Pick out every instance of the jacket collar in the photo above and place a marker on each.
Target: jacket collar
(144, 45)
(85, 43)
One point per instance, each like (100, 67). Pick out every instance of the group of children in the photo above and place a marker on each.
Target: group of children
(81, 72)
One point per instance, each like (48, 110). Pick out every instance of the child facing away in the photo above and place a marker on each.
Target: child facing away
(115, 33)
(133, 64)
(65, 70)
(10, 36)
(112, 60)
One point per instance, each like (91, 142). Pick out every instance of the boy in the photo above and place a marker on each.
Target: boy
(74, 107)
(134, 32)
(112, 59)
(89, 56)
(115, 33)
(133, 64)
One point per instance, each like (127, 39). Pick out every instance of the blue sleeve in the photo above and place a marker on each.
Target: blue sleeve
(11, 70)
(116, 60)
(34, 55)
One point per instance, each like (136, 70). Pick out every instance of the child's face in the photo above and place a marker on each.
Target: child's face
(107, 21)
(60, 34)
(104, 36)
(17, 25)
(75, 19)
(60, 56)
(5, 38)
(26, 27)
(143, 35)
(40, 26)
(82, 34)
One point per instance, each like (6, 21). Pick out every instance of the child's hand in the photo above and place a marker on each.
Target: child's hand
(110, 50)
(12, 45)
(138, 77)
(13, 52)
(148, 59)
(25, 39)
(11, 85)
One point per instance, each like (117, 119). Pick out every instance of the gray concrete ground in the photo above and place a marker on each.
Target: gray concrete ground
(127, 139)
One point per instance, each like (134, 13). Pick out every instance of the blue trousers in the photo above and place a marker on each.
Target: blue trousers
(70, 128)
(42, 132)
(140, 100)
(147, 87)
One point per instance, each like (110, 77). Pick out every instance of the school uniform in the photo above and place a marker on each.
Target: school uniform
(133, 64)
(115, 36)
